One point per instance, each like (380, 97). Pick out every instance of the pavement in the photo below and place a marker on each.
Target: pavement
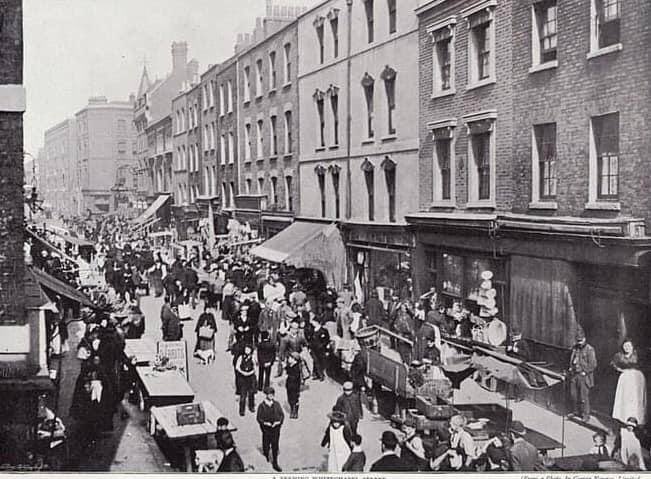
(130, 448)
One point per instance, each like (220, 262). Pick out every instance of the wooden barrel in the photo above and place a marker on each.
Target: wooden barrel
(368, 337)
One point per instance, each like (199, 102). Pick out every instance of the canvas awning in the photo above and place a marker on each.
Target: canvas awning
(59, 287)
(81, 242)
(152, 209)
(305, 244)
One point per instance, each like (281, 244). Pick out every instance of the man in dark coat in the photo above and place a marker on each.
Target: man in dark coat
(350, 404)
(170, 322)
(375, 311)
(583, 362)
(270, 417)
(232, 462)
(390, 461)
(266, 358)
(319, 344)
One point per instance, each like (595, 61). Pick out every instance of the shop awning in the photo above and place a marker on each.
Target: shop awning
(81, 242)
(152, 209)
(59, 287)
(304, 244)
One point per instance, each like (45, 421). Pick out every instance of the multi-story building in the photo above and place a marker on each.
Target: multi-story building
(358, 145)
(60, 187)
(268, 128)
(533, 167)
(105, 143)
(152, 106)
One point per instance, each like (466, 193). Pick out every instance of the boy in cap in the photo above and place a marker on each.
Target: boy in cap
(350, 404)
(270, 417)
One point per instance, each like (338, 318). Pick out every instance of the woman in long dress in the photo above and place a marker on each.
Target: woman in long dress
(337, 438)
(630, 395)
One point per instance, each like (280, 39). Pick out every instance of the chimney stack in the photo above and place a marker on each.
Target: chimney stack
(179, 56)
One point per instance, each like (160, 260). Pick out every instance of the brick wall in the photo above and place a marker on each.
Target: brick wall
(576, 90)
(12, 267)
(226, 124)
(283, 98)
(497, 96)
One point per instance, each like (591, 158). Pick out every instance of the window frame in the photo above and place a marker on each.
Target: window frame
(336, 184)
(334, 109)
(247, 142)
(369, 10)
(231, 148)
(538, 62)
(247, 83)
(288, 131)
(273, 122)
(259, 149)
(319, 101)
(598, 200)
(272, 71)
(443, 132)
(369, 180)
(389, 77)
(480, 123)
(289, 193)
(392, 7)
(486, 8)
(390, 180)
(368, 85)
(334, 29)
(259, 78)
(539, 137)
(438, 30)
(287, 47)
(320, 173)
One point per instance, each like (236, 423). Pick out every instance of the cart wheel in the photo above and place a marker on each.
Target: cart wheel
(141, 400)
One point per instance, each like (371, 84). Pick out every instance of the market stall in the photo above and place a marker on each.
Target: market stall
(188, 427)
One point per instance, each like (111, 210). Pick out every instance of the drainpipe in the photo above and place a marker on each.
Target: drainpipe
(349, 4)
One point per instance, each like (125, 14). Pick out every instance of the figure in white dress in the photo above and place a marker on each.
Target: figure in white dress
(337, 437)
(630, 395)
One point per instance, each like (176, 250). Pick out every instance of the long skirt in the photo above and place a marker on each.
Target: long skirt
(630, 396)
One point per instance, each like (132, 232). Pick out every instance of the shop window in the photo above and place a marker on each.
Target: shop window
(452, 275)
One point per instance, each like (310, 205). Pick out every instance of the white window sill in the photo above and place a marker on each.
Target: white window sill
(481, 83)
(320, 149)
(443, 93)
(605, 50)
(287, 85)
(272, 91)
(603, 205)
(368, 141)
(543, 205)
(288, 156)
(334, 147)
(386, 138)
(481, 204)
(540, 67)
(247, 161)
(443, 204)
(259, 97)
(246, 103)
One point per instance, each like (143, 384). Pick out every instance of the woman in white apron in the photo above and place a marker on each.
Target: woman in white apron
(630, 395)
(338, 438)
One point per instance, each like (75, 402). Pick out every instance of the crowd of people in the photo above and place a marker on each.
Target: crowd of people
(288, 323)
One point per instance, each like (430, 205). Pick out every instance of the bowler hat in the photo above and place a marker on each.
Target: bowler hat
(518, 428)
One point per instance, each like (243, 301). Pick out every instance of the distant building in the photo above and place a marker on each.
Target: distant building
(105, 156)
(152, 105)
(60, 188)
(268, 130)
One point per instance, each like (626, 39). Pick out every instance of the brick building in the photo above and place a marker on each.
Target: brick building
(24, 374)
(533, 167)
(152, 105)
(268, 130)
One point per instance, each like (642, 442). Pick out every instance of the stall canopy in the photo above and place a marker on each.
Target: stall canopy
(152, 209)
(304, 244)
(59, 287)
(81, 242)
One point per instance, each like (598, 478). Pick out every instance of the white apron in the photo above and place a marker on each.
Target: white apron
(630, 396)
(339, 450)
(631, 449)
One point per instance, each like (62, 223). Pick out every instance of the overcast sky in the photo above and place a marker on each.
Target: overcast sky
(75, 49)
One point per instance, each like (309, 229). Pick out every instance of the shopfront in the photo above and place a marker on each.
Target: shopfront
(379, 258)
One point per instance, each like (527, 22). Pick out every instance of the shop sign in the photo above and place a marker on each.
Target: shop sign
(395, 238)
